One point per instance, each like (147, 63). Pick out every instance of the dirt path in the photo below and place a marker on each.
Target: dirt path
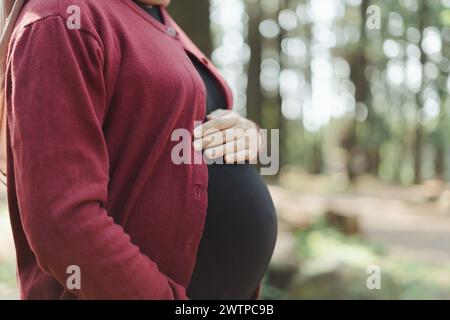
(416, 231)
(419, 232)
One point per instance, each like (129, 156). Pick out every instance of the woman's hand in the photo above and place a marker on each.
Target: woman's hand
(227, 134)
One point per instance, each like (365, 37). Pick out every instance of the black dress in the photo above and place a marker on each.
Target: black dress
(241, 226)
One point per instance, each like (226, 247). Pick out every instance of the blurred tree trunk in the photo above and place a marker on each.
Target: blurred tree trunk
(423, 11)
(193, 18)
(359, 61)
(254, 94)
(358, 64)
(278, 100)
(282, 121)
(440, 162)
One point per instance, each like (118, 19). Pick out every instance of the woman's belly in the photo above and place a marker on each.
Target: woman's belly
(239, 235)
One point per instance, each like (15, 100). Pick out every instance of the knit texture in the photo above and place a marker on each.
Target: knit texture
(91, 182)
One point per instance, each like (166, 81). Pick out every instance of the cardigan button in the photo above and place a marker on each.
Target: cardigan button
(171, 32)
(205, 61)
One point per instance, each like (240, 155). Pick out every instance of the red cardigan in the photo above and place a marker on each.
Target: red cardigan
(90, 177)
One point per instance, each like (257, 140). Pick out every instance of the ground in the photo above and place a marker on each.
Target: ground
(403, 231)
(8, 287)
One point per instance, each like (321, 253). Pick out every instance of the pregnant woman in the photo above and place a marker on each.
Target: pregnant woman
(91, 108)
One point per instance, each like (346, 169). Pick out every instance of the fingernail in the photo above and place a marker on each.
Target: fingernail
(198, 132)
(197, 145)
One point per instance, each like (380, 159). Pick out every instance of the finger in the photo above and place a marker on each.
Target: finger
(212, 140)
(220, 137)
(238, 157)
(224, 149)
(216, 124)
(251, 137)
(218, 113)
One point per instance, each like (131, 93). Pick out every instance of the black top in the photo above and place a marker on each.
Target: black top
(241, 228)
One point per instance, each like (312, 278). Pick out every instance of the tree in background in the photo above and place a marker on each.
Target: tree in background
(193, 18)
(312, 69)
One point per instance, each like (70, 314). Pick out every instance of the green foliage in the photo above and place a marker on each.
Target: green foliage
(334, 266)
(445, 17)
(399, 73)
